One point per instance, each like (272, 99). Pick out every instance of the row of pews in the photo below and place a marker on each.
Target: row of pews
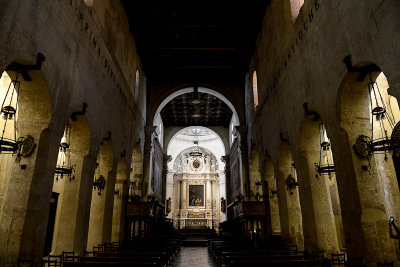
(241, 253)
(140, 253)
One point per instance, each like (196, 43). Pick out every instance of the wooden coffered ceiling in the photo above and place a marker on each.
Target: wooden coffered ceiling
(195, 41)
(196, 109)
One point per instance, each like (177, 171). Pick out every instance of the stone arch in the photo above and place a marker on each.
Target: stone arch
(367, 194)
(255, 89)
(100, 223)
(23, 188)
(320, 231)
(71, 189)
(289, 203)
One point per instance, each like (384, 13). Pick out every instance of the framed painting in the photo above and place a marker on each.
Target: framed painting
(196, 195)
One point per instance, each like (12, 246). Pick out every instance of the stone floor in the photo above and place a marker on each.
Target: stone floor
(194, 257)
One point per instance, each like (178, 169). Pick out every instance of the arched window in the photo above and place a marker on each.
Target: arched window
(137, 86)
(295, 6)
(255, 90)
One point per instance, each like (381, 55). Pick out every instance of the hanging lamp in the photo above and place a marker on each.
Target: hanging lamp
(9, 106)
(325, 165)
(291, 182)
(64, 167)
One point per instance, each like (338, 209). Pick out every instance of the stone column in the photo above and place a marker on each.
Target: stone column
(67, 208)
(118, 211)
(319, 227)
(290, 211)
(365, 219)
(149, 130)
(101, 212)
(80, 236)
(242, 131)
(26, 204)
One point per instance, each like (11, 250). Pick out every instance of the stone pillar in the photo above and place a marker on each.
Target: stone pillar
(80, 236)
(118, 211)
(101, 212)
(225, 159)
(149, 130)
(25, 212)
(319, 227)
(365, 219)
(242, 131)
(290, 211)
(66, 219)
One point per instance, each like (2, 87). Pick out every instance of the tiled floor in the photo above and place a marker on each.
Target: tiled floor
(194, 257)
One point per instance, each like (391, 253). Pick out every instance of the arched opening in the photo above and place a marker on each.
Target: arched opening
(324, 224)
(100, 222)
(370, 190)
(21, 189)
(288, 197)
(137, 86)
(196, 154)
(255, 90)
(295, 7)
(66, 189)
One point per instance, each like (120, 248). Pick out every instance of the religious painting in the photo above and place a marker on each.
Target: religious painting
(196, 195)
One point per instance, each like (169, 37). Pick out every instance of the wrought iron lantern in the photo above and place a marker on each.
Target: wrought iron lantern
(325, 165)
(381, 142)
(8, 140)
(64, 166)
(117, 193)
(273, 193)
(100, 181)
(291, 182)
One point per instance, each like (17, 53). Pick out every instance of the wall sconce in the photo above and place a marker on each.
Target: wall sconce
(100, 181)
(117, 193)
(273, 193)
(325, 165)
(291, 182)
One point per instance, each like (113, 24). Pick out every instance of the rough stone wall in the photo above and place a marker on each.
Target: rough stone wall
(302, 62)
(90, 58)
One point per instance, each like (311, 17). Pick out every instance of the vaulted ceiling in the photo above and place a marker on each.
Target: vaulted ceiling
(195, 41)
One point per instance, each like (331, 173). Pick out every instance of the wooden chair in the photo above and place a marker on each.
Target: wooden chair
(24, 263)
(292, 249)
(352, 261)
(108, 247)
(338, 258)
(69, 256)
(385, 264)
(116, 246)
(49, 263)
(318, 254)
